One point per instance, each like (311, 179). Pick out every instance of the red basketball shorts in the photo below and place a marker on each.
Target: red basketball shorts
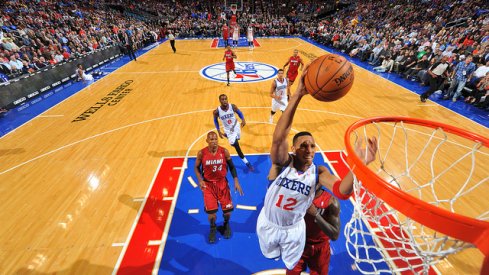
(292, 75)
(229, 66)
(316, 257)
(217, 192)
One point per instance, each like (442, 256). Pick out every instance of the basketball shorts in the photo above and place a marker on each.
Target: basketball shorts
(279, 105)
(235, 37)
(292, 75)
(285, 241)
(217, 192)
(229, 66)
(316, 257)
(233, 135)
(250, 38)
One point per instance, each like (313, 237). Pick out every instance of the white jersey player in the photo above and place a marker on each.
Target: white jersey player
(249, 36)
(230, 124)
(280, 227)
(235, 36)
(232, 129)
(278, 93)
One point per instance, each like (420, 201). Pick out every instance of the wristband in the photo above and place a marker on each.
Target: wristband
(337, 193)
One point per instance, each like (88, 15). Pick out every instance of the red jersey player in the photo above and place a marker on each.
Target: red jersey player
(225, 35)
(229, 56)
(317, 252)
(214, 161)
(292, 73)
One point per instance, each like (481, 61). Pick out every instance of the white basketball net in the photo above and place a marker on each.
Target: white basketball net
(234, 8)
(443, 169)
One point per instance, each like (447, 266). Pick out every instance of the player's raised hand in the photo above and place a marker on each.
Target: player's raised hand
(367, 154)
(301, 88)
(237, 187)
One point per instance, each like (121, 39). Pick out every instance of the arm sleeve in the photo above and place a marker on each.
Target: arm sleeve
(240, 114)
(232, 168)
(216, 123)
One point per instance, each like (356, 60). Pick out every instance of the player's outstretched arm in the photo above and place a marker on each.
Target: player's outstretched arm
(343, 188)
(329, 219)
(240, 114)
(232, 169)
(279, 151)
(198, 172)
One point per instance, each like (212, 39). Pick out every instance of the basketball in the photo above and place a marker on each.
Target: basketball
(329, 77)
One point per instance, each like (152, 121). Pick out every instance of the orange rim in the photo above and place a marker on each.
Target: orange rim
(452, 224)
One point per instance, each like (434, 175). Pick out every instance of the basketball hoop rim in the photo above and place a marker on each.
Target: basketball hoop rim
(452, 224)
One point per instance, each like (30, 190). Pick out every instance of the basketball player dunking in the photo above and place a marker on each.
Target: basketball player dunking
(211, 167)
(293, 62)
(229, 56)
(232, 129)
(278, 93)
(294, 181)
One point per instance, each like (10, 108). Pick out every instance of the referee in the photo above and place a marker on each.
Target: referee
(171, 37)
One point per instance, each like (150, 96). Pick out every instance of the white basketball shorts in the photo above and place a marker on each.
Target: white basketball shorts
(279, 105)
(285, 241)
(234, 134)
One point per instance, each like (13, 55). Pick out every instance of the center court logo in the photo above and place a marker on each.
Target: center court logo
(246, 71)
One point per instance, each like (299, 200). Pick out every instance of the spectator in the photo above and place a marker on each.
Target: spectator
(58, 57)
(387, 65)
(421, 65)
(460, 75)
(15, 64)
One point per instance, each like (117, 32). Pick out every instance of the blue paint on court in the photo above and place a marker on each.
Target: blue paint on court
(188, 252)
(469, 111)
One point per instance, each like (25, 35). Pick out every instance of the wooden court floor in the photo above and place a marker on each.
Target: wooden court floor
(64, 175)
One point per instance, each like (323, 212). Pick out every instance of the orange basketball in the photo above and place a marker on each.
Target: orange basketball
(329, 77)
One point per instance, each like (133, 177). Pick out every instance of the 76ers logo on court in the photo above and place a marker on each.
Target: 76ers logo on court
(246, 71)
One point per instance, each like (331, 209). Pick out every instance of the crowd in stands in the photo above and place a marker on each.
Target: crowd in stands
(412, 38)
(395, 36)
(37, 34)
